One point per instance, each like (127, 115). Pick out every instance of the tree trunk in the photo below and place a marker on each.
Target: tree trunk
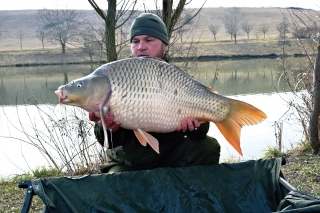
(314, 119)
(110, 25)
(166, 13)
(63, 46)
(169, 16)
(110, 33)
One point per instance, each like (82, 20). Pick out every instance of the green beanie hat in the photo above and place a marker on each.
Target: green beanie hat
(149, 24)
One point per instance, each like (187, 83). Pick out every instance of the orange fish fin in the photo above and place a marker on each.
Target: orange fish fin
(145, 138)
(231, 131)
(212, 90)
(140, 138)
(240, 114)
(206, 87)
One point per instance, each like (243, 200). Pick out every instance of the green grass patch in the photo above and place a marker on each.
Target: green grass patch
(302, 169)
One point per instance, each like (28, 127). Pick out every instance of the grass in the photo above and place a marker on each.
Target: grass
(12, 197)
(273, 152)
(302, 169)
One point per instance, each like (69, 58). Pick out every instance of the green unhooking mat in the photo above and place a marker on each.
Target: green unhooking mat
(250, 186)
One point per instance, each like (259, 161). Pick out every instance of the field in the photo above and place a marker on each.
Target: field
(198, 38)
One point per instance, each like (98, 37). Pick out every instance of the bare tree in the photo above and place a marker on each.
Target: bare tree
(89, 42)
(115, 19)
(21, 37)
(61, 26)
(100, 37)
(232, 22)
(307, 30)
(214, 29)
(111, 20)
(264, 29)
(314, 117)
(185, 22)
(172, 16)
(247, 27)
(41, 35)
(257, 34)
(284, 30)
(306, 87)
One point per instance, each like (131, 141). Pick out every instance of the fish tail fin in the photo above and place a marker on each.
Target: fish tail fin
(144, 138)
(240, 114)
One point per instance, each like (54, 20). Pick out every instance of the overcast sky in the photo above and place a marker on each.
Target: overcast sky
(84, 4)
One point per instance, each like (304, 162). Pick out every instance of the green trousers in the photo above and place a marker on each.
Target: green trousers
(187, 152)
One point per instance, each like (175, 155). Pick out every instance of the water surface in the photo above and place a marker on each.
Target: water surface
(252, 81)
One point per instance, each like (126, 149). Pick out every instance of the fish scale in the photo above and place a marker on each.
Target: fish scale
(156, 97)
(149, 95)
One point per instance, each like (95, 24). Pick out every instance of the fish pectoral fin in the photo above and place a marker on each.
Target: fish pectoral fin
(144, 138)
(140, 138)
(106, 142)
(240, 114)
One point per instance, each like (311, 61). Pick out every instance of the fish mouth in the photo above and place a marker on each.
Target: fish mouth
(62, 97)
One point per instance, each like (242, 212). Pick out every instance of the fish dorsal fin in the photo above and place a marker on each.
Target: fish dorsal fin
(150, 57)
(205, 86)
(211, 90)
(145, 138)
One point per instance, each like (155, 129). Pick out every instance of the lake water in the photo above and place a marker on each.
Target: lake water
(252, 81)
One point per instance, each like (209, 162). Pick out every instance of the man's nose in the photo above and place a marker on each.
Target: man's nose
(142, 45)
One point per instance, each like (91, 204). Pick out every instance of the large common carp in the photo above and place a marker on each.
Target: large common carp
(149, 95)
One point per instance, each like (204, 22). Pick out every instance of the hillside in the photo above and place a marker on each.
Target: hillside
(26, 20)
(198, 37)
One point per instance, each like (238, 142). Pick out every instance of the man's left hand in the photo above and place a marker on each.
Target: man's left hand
(188, 124)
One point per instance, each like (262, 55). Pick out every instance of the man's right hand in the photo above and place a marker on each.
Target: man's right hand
(108, 119)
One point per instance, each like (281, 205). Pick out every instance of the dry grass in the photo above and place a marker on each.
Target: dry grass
(302, 169)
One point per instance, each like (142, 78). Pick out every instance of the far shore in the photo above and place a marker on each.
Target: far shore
(243, 50)
(174, 59)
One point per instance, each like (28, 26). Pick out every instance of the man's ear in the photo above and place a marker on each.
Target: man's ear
(165, 47)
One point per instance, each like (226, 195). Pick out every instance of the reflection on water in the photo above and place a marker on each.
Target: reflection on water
(21, 85)
(27, 84)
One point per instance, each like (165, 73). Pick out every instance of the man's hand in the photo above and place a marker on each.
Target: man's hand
(108, 119)
(187, 124)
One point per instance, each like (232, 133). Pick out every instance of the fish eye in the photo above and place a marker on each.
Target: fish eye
(79, 84)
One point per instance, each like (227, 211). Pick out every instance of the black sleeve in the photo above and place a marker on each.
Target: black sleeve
(116, 136)
(200, 133)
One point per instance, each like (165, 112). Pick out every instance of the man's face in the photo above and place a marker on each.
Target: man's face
(144, 45)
